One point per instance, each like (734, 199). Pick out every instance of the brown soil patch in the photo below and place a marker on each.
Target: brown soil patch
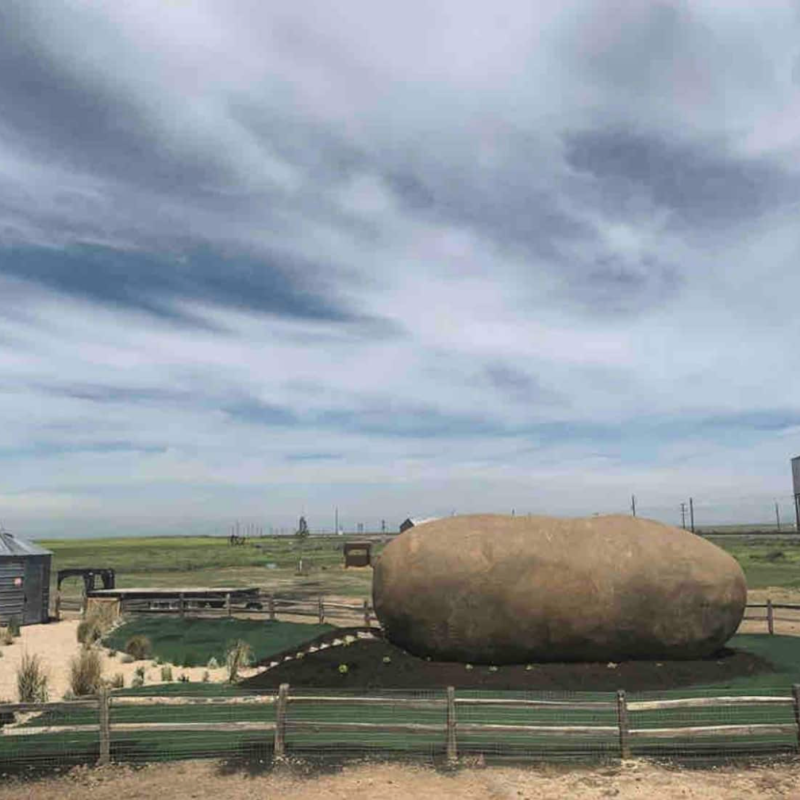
(367, 669)
(205, 780)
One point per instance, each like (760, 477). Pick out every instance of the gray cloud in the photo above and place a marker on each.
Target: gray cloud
(431, 256)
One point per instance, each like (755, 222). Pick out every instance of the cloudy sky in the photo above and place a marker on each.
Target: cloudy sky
(258, 259)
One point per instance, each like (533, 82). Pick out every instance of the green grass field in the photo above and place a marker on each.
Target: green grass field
(192, 642)
(268, 563)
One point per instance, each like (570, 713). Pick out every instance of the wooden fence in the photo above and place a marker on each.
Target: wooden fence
(621, 736)
(273, 607)
(768, 616)
(268, 606)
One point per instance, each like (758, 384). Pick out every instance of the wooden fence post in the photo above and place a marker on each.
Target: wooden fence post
(279, 748)
(367, 620)
(321, 611)
(770, 618)
(452, 746)
(271, 606)
(796, 703)
(228, 603)
(104, 718)
(622, 722)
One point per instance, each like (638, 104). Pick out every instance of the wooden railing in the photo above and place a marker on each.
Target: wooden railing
(768, 617)
(621, 735)
(269, 606)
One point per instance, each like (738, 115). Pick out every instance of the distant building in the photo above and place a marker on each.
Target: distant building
(415, 522)
(24, 580)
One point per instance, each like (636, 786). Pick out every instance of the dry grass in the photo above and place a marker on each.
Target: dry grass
(32, 680)
(85, 672)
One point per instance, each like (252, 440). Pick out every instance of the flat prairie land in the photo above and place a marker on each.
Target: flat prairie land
(268, 562)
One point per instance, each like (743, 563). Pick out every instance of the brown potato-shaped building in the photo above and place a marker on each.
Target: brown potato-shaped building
(493, 589)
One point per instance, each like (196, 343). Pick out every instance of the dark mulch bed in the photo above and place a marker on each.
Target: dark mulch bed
(367, 670)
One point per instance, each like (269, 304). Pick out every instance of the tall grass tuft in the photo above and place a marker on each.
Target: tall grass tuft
(31, 680)
(238, 656)
(139, 647)
(85, 672)
(88, 631)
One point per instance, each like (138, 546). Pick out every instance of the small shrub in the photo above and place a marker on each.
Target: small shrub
(137, 682)
(112, 653)
(239, 656)
(117, 681)
(14, 627)
(493, 668)
(31, 680)
(387, 660)
(88, 631)
(68, 695)
(212, 663)
(85, 672)
(206, 677)
(166, 673)
(468, 666)
(6, 637)
(139, 647)
(139, 672)
(183, 678)
(343, 669)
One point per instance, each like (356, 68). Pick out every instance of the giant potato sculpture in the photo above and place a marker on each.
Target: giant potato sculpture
(507, 590)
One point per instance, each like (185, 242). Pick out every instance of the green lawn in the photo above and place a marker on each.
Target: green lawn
(191, 642)
(766, 561)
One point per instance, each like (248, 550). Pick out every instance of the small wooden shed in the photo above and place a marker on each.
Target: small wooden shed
(24, 581)
(357, 554)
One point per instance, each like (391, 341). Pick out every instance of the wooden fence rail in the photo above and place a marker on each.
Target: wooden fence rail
(624, 731)
(272, 607)
(269, 606)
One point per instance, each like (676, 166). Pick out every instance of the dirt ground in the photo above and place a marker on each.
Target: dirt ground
(203, 780)
(56, 643)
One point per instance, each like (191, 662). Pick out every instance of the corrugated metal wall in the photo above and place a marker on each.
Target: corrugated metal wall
(12, 592)
(25, 589)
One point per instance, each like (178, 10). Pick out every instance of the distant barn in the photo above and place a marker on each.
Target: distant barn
(415, 522)
(24, 580)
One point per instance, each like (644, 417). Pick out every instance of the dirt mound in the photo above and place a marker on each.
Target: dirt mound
(367, 668)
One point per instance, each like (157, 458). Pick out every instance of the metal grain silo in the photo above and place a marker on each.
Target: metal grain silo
(24, 580)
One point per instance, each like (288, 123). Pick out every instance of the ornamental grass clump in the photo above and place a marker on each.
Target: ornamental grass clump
(238, 657)
(32, 682)
(139, 647)
(88, 631)
(85, 673)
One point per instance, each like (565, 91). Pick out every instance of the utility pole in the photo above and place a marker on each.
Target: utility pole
(691, 513)
(336, 531)
(683, 516)
(778, 516)
(633, 505)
